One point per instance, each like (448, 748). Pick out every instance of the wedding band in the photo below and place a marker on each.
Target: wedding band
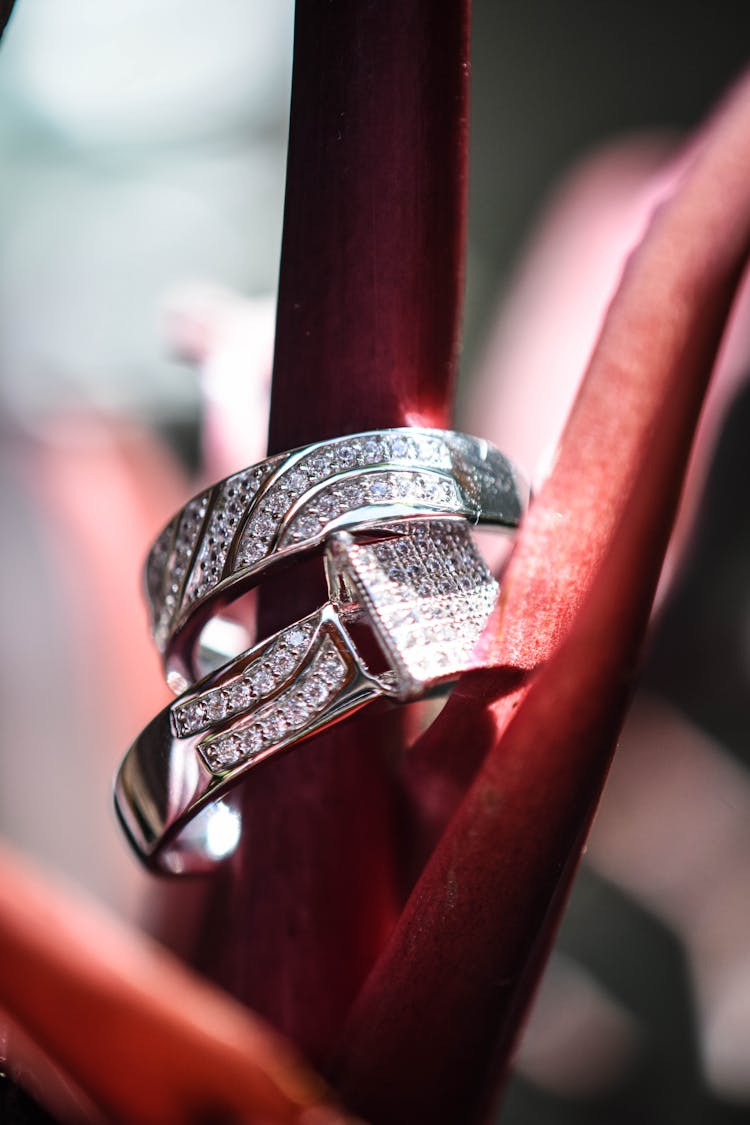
(408, 599)
(231, 536)
(426, 594)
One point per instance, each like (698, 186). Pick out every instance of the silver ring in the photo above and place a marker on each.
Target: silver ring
(228, 538)
(425, 593)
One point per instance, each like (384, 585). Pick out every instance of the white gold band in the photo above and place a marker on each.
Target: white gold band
(392, 512)
(424, 592)
(229, 537)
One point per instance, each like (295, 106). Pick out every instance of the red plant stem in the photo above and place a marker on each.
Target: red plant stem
(142, 1035)
(371, 279)
(469, 944)
(369, 305)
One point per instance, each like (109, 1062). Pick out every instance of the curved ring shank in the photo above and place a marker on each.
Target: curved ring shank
(426, 595)
(228, 538)
(169, 786)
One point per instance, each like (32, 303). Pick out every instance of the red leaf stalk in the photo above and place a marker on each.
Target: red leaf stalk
(145, 1038)
(467, 950)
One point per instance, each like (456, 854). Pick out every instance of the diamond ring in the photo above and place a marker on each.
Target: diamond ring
(230, 537)
(422, 592)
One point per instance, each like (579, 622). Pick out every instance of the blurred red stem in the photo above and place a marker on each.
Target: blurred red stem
(467, 949)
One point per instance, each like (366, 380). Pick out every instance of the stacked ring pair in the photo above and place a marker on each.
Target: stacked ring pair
(391, 512)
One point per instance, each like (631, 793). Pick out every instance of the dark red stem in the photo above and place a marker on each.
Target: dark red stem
(372, 261)
(369, 307)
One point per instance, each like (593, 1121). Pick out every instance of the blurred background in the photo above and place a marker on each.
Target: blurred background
(143, 150)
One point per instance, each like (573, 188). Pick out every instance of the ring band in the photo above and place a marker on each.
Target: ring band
(426, 595)
(229, 537)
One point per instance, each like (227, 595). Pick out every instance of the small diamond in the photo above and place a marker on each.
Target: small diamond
(293, 715)
(216, 706)
(282, 662)
(224, 751)
(296, 637)
(332, 669)
(252, 551)
(307, 527)
(263, 525)
(251, 740)
(276, 726)
(327, 506)
(427, 450)
(190, 717)
(302, 707)
(295, 481)
(319, 464)
(373, 451)
(251, 676)
(264, 679)
(447, 492)
(404, 485)
(351, 494)
(315, 691)
(276, 504)
(380, 490)
(427, 487)
(240, 695)
(346, 456)
(335, 677)
(400, 447)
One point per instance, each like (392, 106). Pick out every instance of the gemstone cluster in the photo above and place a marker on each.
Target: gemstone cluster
(282, 718)
(276, 664)
(429, 595)
(292, 500)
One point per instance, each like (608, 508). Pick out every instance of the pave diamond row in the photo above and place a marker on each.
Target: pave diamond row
(291, 499)
(283, 717)
(371, 489)
(232, 500)
(258, 679)
(332, 459)
(156, 566)
(177, 563)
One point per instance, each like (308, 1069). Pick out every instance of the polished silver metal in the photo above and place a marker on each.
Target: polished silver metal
(231, 536)
(424, 592)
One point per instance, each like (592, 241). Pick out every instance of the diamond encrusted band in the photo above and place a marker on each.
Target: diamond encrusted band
(229, 537)
(425, 593)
